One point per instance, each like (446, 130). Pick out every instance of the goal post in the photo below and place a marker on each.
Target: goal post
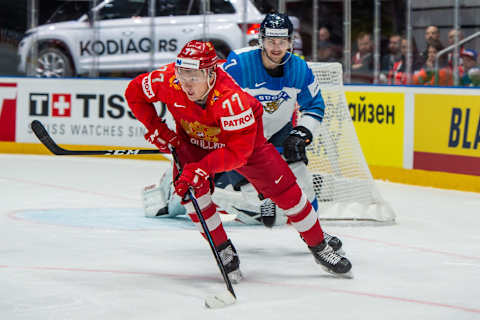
(342, 181)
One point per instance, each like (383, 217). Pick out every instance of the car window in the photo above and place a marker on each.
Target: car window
(165, 8)
(178, 7)
(119, 9)
(221, 6)
(69, 11)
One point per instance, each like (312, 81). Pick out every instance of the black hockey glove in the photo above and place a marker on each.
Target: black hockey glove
(294, 145)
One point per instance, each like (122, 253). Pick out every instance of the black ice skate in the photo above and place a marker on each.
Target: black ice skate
(333, 242)
(230, 261)
(331, 261)
(268, 212)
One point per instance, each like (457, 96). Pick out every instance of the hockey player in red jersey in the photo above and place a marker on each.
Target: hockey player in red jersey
(219, 128)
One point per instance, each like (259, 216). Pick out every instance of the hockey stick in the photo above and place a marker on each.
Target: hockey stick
(42, 135)
(219, 300)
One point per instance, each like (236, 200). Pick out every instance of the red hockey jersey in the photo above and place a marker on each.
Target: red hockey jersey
(227, 128)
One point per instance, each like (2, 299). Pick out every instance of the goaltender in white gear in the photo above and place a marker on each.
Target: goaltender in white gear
(281, 81)
(161, 201)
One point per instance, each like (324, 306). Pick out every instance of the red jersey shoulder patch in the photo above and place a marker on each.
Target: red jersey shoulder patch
(147, 86)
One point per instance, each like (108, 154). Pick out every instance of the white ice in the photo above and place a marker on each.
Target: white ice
(74, 245)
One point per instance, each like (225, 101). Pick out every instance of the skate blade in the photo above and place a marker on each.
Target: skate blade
(347, 275)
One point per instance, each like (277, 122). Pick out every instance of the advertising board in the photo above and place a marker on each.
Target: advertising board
(83, 112)
(378, 118)
(447, 133)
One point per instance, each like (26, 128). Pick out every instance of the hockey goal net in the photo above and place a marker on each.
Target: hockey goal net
(342, 180)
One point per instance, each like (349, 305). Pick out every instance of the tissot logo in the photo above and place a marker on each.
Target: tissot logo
(8, 109)
(61, 105)
(38, 104)
(85, 105)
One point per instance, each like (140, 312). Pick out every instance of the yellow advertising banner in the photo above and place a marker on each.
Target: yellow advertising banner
(447, 124)
(379, 121)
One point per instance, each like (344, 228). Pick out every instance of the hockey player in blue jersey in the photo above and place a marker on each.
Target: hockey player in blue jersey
(279, 80)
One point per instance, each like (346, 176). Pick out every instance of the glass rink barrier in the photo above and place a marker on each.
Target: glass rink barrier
(381, 42)
(123, 37)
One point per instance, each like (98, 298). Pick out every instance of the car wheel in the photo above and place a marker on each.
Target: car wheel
(51, 63)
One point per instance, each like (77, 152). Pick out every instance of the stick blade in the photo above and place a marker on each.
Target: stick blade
(220, 300)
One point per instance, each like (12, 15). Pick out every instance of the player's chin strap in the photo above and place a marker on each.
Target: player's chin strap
(290, 51)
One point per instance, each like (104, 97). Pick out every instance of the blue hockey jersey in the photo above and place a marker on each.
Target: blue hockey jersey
(278, 95)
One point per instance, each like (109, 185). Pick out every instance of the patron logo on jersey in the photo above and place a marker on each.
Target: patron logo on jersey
(238, 121)
(61, 105)
(8, 110)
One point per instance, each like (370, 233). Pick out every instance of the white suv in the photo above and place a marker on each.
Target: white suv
(121, 36)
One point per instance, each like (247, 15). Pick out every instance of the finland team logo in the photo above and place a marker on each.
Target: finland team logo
(270, 102)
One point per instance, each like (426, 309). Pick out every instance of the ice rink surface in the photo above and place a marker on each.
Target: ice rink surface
(75, 245)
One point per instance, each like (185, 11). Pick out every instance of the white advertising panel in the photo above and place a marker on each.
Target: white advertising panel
(78, 111)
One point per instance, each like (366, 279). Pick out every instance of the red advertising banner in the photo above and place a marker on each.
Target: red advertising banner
(8, 109)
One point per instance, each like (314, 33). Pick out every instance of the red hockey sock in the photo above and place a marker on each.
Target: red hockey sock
(212, 219)
(301, 215)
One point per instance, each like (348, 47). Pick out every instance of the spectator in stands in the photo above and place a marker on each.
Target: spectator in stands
(451, 36)
(297, 39)
(362, 60)
(471, 75)
(390, 59)
(394, 54)
(432, 36)
(450, 41)
(398, 73)
(427, 75)
(327, 51)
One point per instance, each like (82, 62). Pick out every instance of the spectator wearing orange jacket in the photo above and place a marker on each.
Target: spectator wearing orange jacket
(427, 75)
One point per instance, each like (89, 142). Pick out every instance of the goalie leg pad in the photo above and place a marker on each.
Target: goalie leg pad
(154, 203)
(160, 200)
(304, 179)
